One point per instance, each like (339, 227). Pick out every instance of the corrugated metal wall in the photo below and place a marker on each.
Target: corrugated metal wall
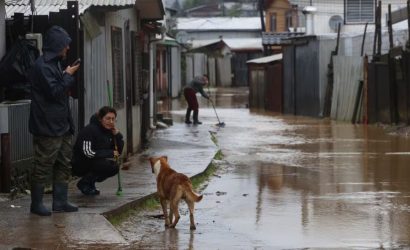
(274, 88)
(257, 88)
(224, 71)
(348, 71)
(2, 29)
(196, 64)
(212, 71)
(240, 69)
(175, 71)
(379, 93)
(301, 79)
(95, 73)
(20, 138)
(388, 90)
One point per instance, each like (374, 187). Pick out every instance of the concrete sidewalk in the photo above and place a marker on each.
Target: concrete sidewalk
(189, 150)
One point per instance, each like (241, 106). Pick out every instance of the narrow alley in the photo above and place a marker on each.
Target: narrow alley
(289, 182)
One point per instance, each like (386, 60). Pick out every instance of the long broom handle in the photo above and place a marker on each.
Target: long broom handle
(110, 102)
(117, 161)
(214, 109)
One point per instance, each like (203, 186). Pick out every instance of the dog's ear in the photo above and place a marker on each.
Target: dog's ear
(165, 157)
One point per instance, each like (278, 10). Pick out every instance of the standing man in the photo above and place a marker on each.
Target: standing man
(51, 123)
(195, 86)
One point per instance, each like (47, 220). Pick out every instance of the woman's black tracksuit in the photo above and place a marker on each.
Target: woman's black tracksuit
(93, 154)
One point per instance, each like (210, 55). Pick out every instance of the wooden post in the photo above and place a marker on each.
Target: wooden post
(375, 34)
(329, 87)
(379, 29)
(365, 89)
(408, 25)
(390, 26)
(5, 167)
(364, 38)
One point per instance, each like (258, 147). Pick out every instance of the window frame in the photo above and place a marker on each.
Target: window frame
(273, 19)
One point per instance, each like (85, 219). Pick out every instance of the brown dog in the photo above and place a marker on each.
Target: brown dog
(173, 186)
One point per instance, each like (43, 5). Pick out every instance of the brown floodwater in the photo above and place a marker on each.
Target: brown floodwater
(290, 182)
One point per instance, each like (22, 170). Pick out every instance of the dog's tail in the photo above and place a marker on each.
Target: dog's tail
(193, 196)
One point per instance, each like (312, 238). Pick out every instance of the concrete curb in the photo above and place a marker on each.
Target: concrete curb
(137, 203)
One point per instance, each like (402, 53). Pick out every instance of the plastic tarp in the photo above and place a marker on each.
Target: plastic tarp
(14, 67)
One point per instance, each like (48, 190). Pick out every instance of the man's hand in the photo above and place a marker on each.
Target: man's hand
(72, 69)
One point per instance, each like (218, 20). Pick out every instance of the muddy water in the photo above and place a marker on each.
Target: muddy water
(291, 182)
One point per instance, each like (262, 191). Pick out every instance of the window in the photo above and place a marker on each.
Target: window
(359, 11)
(289, 23)
(273, 22)
(117, 66)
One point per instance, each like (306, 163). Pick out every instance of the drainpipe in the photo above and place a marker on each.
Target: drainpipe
(309, 12)
(152, 97)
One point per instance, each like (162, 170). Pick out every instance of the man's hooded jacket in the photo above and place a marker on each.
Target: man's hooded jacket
(50, 112)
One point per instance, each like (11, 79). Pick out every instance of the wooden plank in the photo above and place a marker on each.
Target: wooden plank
(399, 15)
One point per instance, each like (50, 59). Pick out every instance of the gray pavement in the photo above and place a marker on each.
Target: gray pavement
(189, 150)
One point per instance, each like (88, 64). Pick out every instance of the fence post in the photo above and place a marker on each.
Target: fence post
(5, 167)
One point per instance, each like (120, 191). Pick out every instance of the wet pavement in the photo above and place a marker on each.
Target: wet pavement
(190, 150)
(284, 182)
(289, 182)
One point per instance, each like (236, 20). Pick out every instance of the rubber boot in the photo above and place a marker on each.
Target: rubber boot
(87, 185)
(60, 203)
(196, 121)
(187, 116)
(37, 207)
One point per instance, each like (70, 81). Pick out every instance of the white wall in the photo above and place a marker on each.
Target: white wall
(328, 8)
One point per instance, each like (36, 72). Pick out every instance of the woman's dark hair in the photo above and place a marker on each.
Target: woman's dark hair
(105, 110)
(206, 76)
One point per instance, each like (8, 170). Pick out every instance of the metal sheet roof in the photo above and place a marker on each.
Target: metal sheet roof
(219, 23)
(233, 43)
(266, 59)
(43, 7)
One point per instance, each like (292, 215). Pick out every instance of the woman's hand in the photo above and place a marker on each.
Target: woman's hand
(115, 131)
(116, 154)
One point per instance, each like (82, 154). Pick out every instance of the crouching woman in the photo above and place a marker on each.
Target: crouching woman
(96, 151)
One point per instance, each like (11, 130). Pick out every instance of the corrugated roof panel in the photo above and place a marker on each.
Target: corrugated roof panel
(43, 7)
(233, 43)
(266, 59)
(219, 23)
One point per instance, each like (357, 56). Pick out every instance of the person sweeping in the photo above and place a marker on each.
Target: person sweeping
(195, 86)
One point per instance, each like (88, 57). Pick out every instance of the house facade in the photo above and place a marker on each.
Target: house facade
(115, 42)
(242, 35)
(290, 15)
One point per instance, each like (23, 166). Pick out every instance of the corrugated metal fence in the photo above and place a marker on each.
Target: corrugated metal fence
(389, 91)
(348, 72)
(300, 79)
(21, 146)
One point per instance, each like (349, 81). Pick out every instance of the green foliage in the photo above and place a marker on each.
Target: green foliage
(235, 11)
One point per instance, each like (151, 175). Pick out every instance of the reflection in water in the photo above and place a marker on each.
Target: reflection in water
(305, 182)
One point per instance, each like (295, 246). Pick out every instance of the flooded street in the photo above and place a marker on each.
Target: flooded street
(289, 182)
